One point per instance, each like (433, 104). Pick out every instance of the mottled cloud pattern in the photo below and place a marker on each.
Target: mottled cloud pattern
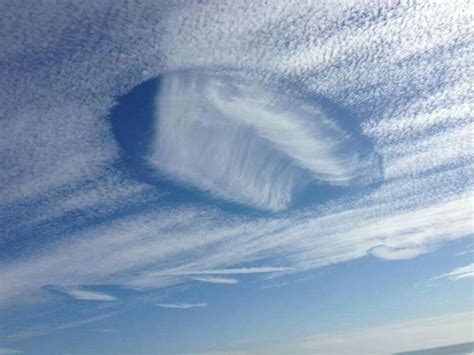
(401, 74)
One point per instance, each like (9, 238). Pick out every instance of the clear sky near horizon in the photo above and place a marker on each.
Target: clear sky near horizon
(210, 177)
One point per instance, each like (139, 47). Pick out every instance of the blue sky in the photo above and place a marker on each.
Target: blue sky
(248, 178)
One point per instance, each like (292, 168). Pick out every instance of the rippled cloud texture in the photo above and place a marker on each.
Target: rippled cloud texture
(259, 79)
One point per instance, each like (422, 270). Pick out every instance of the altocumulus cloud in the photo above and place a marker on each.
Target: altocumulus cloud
(77, 217)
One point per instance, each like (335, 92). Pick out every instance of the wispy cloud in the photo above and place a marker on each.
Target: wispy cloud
(464, 252)
(78, 323)
(405, 336)
(215, 280)
(10, 351)
(232, 271)
(227, 129)
(181, 305)
(459, 273)
(81, 294)
(297, 240)
(48, 329)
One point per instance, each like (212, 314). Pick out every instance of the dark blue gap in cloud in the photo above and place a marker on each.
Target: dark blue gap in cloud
(133, 125)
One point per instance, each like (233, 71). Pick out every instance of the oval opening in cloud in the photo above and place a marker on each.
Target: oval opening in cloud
(238, 141)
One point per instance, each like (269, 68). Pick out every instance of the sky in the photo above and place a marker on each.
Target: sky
(235, 177)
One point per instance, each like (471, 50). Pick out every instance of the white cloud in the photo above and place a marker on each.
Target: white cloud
(216, 280)
(405, 87)
(230, 271)
(79, 323)
(247, 144)
(81, 294)
(181, 305)
(464, 252)
(459, 273)
(301, 242)
(389, 253)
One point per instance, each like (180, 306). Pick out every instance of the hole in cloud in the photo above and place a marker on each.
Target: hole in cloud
(238, 141)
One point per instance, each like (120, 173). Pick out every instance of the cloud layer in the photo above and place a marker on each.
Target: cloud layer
(71, 214)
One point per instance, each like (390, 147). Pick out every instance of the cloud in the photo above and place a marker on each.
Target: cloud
(459, 273)
(404, 336)
(464, 252)
(301, 242)
(10, 351)
(386, 252)
(181, 305)
(216, 280)
(231, 271)
(43, 330)
(248, 145)
(78, 323)
(74, 215)
(81, 294)
(399, 337)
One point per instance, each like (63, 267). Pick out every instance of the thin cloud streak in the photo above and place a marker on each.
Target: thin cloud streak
(181, 305)
(299, 242)
(459, 273)
(86, 295)
(230, 271)
(216, 280)
(33, 332)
